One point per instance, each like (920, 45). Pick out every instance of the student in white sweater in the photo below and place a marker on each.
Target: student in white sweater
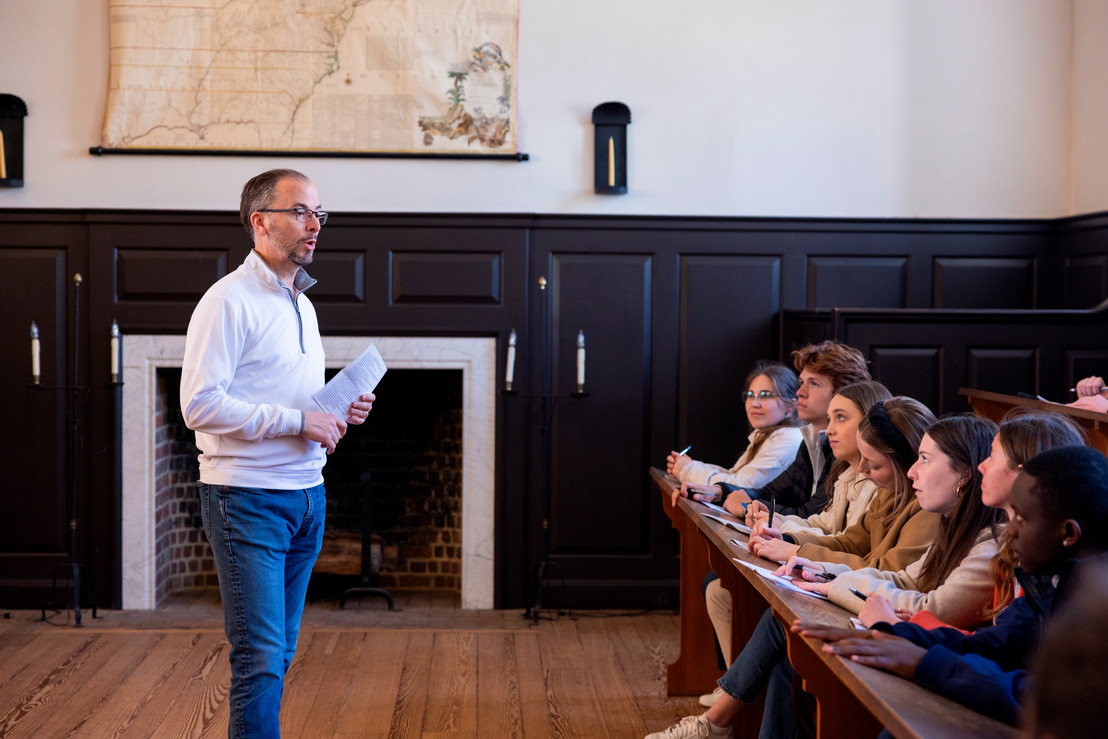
(772, 445)
(952, 579)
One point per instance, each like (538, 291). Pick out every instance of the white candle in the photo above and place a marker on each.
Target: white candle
(611, 162)
(510, 372)
(115, 351)
(580, 359)
(34, 353)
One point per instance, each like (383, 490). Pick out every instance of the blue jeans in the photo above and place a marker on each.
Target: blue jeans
(265, 543)
(764, 661)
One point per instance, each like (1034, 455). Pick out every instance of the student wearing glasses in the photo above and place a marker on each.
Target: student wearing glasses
(253, 359)
(772, 445)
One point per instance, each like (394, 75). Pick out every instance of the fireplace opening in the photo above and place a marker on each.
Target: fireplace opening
(411, 448)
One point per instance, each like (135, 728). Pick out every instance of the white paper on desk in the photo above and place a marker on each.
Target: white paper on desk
(742, 528)
(788, 584)
(714, 507)
(360, 376)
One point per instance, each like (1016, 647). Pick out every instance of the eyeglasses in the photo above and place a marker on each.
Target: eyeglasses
(760, 395)
(300, 214)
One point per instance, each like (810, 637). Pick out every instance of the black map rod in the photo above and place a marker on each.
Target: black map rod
(517, 157)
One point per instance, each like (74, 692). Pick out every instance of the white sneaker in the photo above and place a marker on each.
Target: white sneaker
(693, 727)
(709, 699)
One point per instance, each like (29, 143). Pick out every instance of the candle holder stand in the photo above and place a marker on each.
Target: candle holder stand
(76, 398)
(547, 408)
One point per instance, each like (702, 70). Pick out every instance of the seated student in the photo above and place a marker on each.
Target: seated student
(1091, 395)
(952, 579)
(852, 492)
(1023, 433)
(1060, 518)
(773, 443)
(824, 368)
(1068, 696)
(893, 530)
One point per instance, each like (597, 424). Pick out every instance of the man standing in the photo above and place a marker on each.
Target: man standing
(253, 359)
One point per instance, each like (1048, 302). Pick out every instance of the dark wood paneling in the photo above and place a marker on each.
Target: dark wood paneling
(1086, 278)
(455, 278)
(39, 260)
(862, 282)
(151, 275)
(339, 275)
(724, 301)
(984, 282)
(679, 307)
(1003, 369)
(915, 371)
(598, 441)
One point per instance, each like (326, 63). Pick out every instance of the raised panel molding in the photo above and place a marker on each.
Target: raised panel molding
(858, 282)
(984, 282)
(913, 371)
(340, 277)
(1009, 371)
(1086, 280)
(1082, 363)
(723, 333)
(166, 274)
(470, 278)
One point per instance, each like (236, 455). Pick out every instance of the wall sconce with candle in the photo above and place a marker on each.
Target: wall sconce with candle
(12, 112)
(610, 121)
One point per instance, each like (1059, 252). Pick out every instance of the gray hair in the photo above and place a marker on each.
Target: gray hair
(257, 194)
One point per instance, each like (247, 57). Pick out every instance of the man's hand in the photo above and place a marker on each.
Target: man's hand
(360, 409)
(324, 428)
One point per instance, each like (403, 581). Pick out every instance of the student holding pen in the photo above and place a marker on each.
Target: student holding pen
(770, 401)
(1092, 395)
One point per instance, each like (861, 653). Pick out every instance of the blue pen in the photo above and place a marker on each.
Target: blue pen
(684, 451)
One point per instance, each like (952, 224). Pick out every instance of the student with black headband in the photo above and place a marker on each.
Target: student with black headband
(952, 580)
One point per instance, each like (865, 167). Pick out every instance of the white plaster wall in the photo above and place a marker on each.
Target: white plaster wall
(1089, 158)
(882, 108)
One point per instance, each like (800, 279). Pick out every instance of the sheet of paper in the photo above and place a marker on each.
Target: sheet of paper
(742, 528)
(360, 376)
(714, 507)
(788, 584)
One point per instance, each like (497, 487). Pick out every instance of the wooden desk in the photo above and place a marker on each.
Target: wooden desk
(994, 405)
(853, 700)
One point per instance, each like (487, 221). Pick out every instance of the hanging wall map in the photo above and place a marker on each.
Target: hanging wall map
(321, 76)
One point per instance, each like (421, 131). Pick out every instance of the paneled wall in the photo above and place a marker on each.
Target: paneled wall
(675, 312)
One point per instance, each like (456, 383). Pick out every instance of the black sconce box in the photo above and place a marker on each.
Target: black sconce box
(610, 147)
(12, 112)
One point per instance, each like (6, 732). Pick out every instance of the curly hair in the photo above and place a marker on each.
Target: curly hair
(844, 364)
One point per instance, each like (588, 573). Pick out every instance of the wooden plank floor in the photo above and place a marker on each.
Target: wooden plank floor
(428, 670)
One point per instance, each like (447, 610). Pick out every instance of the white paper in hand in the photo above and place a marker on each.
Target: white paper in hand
(360, 376)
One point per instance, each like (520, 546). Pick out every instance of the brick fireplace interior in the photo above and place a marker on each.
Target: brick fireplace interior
(411, 448)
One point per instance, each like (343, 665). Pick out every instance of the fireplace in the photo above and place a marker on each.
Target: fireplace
(473, 357)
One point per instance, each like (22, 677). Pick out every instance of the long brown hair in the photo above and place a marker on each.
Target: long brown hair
(894, 428)
(966, 440)
(1023, 433)
(863, 395)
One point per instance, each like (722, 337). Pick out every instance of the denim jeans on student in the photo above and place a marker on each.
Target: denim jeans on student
(265, 543)
(765, 661)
